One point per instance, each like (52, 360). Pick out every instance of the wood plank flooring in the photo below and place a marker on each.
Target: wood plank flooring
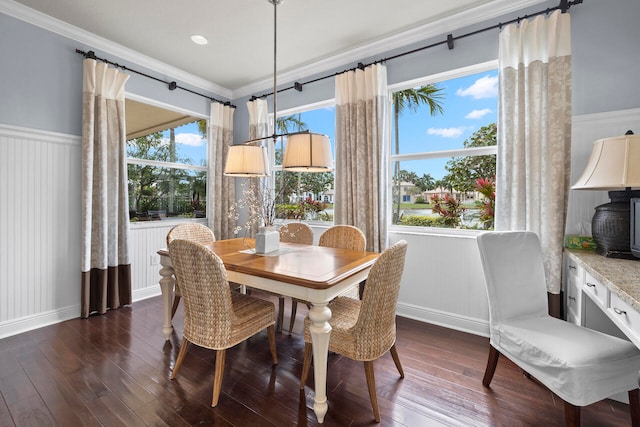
(113, 370)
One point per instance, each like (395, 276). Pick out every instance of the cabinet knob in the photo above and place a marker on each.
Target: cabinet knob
(572, 298)
(591, 285)
(572, 267)
(618, 311)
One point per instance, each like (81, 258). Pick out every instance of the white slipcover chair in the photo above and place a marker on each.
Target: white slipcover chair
(579, 365)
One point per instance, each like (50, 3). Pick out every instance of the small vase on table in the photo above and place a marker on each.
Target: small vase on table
(267, 240)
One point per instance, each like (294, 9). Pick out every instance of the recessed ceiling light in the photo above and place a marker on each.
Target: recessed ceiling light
(198, 39)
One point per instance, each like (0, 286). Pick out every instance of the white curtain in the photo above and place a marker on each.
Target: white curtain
(106, 269)
(221, 194)
(534, 134)
(362, 153)
(258, 118)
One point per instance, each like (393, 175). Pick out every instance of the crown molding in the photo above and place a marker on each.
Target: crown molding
(433, 29)
(49, 23)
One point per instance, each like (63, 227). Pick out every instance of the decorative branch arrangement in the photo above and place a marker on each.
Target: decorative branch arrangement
(259, 200)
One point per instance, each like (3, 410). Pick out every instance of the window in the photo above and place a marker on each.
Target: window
(166, 162)
(444, 149)
(304, 196)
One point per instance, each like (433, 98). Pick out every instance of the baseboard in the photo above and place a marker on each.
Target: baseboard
(40, 320)
(25, 324)
(441, 318)
(144, 293)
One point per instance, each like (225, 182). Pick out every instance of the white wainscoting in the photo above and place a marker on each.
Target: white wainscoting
(39, 228)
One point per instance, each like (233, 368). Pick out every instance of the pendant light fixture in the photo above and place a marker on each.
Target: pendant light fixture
(304, 151)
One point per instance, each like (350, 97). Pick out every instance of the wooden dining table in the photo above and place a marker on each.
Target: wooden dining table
(311, 273)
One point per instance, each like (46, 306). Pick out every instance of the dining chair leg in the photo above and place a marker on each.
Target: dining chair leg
(280, 314)
(181, 354)
(634, 407)
(271, 331)
(306, 364)
(217, 377)
(176, 302)
(571, 415)
(371, 384)
(294, 309)
(396, 360)
(492, 363)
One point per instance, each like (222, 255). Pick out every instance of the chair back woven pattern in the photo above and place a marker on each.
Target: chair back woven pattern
(365, 330)
(344, 237)
(375, 329)
(296, 232)
(209, 315)
(191, 231)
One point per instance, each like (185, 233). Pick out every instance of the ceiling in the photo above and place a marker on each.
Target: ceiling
(240, 32)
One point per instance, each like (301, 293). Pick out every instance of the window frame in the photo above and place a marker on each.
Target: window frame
(461, 152)
(171, 165)
(272, 146)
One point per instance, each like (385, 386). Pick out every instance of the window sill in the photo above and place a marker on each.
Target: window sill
(433, 231)
(139, 225)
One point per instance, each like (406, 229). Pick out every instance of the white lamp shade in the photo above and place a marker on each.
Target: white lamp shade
(614, 164)
(247, 161)
(307, 152)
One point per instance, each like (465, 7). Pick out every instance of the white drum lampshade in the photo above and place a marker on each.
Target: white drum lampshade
(307, 152)
(247, 161)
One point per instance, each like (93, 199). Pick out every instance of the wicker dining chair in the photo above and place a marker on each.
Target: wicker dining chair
(296, 232)
(188, 231)
(215, 318)
(343, 237)
(364, 330)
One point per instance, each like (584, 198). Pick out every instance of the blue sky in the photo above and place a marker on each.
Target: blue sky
(470, 102)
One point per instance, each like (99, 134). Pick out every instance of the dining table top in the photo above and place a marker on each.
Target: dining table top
(310, 266)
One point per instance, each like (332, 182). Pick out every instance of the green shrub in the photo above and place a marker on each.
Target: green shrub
(424, 221)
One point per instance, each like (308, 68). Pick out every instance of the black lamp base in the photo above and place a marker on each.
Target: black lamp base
(611, 225)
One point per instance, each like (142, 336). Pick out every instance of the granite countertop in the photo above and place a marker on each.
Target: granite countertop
(620, 276)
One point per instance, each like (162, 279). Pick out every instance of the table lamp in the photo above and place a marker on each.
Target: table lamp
(614, 165)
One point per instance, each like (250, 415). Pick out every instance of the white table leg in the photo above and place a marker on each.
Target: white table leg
(320, 333)
(167, 283)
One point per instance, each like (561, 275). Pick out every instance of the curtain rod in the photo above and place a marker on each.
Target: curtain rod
(564, 6)
(171, 85)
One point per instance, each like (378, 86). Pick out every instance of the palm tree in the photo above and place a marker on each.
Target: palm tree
(287, 183)
(412, 99)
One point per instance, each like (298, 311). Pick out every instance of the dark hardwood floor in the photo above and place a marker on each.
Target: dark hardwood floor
(114, 370)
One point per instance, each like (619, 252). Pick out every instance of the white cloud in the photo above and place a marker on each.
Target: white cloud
(484, 87)
(447, 132)
(190, 139)
(478, 114)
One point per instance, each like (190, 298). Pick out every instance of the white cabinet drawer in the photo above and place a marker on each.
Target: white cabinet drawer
(574, 275)
(626, 317)
(596, 290)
